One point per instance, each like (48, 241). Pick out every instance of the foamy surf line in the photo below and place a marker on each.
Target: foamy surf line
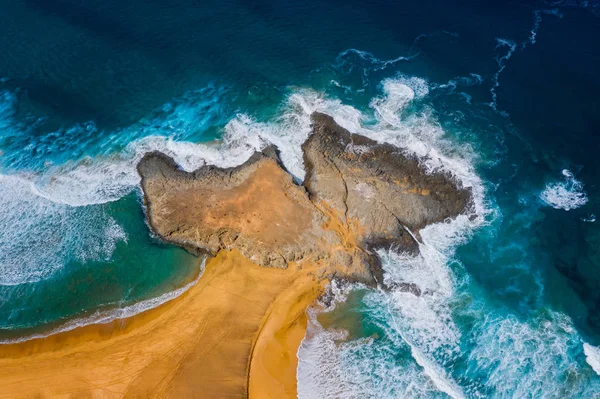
(108, 316)
(30, 249)
(422, 323)
(106, 179)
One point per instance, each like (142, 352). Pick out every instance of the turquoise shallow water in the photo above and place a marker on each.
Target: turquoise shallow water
(90, 270)
(503, 96)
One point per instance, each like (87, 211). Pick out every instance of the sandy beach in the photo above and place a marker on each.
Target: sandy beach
(233, 334)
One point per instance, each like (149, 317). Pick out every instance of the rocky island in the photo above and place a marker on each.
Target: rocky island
(272, 246)
(357, 195)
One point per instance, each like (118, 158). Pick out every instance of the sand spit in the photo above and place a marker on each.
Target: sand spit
(198, 345)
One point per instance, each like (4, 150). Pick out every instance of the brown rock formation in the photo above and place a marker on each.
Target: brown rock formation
(362, 195)
(255, 208)
(376, 185)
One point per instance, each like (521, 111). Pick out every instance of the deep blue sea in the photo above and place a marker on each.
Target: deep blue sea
(503, 95)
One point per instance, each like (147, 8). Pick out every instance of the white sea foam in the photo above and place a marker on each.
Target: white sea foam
(426, 326)
(398, 94)
(501, 61)
(375, 62)
(421, 324)
(591, 218)
(38, 236)
(114, 312)
(537, 19)
(425, 321)
(330, 367)
(535, 358)
(472, 80)
(356, 369)
(567, 194)
(437, 374)
(512, 46)
(592, 356)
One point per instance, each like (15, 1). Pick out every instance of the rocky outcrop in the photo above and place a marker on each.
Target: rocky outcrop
(357, 195)
(255, 207)
(377, 187)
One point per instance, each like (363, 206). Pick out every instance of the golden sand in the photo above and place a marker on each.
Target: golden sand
(233, 334)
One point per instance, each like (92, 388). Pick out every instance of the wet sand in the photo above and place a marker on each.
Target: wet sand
(233, 334)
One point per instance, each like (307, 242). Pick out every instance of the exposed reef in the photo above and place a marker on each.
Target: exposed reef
(357, 195)
(376, 184)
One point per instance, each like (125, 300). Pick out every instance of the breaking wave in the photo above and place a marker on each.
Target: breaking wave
(114, 312)
(565, 195)
(534, 358)
(38, 236)
(592, 357)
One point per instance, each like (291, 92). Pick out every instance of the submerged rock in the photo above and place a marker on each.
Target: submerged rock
(357, 195)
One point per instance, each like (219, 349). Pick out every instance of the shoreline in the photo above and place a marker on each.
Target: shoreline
(235, 333)
(108, 316)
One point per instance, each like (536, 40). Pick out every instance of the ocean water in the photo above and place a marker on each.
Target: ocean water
(504, 96)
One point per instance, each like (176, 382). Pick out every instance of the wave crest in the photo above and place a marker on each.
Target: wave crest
(565, 195)
(38, 237)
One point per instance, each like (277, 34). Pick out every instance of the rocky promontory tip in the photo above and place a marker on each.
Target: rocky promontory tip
(357, 195)
(377, 185)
